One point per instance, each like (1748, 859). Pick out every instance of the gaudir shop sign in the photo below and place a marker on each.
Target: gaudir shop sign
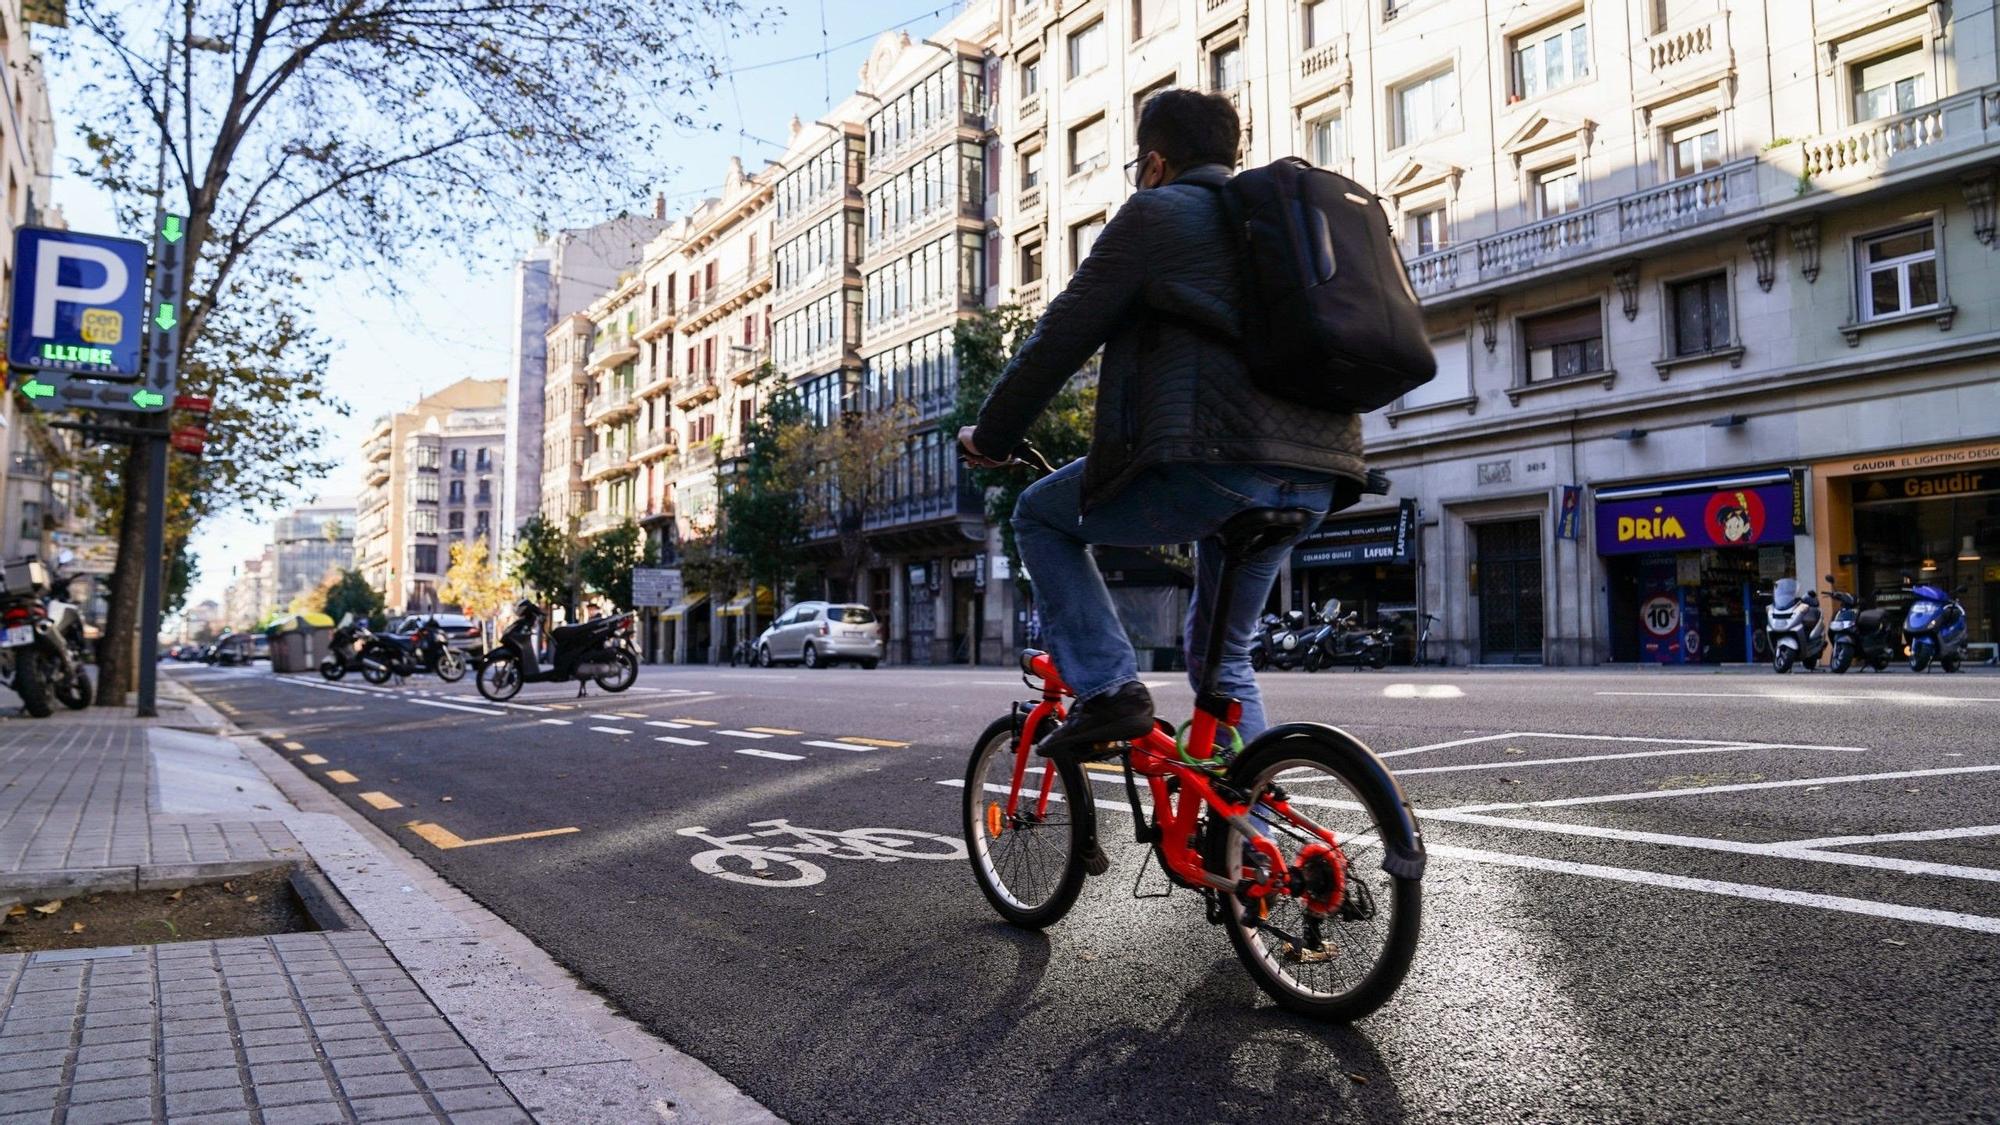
(1927, 459)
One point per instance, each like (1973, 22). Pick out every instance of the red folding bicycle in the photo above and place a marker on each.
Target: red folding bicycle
(1301, 843)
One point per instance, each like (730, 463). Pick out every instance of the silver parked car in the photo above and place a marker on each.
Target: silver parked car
(817, 634)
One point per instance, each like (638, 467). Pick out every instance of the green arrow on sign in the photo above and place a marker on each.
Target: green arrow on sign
(146, 399)
(170, 229)
(35, 388)
(165, 318)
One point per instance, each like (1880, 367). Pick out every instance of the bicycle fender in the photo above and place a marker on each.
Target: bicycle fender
(1403, 844)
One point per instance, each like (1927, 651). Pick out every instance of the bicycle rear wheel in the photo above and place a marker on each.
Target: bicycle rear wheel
(1028, 864)
(1338, 964)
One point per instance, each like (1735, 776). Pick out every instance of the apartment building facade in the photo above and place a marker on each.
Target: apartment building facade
(41, 500)
(431, 478)
(308, 543)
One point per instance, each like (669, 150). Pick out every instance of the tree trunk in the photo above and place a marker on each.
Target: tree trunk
(115, 671)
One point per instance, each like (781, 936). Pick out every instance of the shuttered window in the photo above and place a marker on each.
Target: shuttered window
(1564, 343)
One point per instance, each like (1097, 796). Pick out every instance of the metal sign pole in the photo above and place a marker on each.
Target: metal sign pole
(164, 334)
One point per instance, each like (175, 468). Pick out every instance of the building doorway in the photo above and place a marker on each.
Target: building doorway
(1508, 560)
(967, 620)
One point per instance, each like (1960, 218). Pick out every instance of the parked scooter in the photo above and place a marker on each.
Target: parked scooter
(1858, 634)
(65, 642)
(383, 656)
(343, 654)
(1342, 642)
(1934, 629)
(1282, 641)
(599, 650)
(43, 654)
(1796, 627)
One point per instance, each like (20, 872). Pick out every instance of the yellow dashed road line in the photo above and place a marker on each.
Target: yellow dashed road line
(693, 722)
(294, 745)
(341, 776)
(381, 800)
(439, 836)
(883, 742)
(312, 759)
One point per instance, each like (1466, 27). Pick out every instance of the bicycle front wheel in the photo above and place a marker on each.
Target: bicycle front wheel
(1029, 863)
(1339, 943)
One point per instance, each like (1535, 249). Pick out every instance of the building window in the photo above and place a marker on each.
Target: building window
(1694, 147)
(1326, 140)
(1031, 262)
(1225, 68)
(454, 521)
(1031, 169)
(1564, 343)
(1551, 57)
(1426, 107)
(1556, 192)
(1086, 49)
(425, 559)
(457, 493)
(458, 460)
(1315, 24)
(1082, 237)
(1139, 99)
(1701, 314)
(1899, 272)
(1893, 83)
(1149, 16)
(1086, 146)
(1428, 230)
(1031, 77)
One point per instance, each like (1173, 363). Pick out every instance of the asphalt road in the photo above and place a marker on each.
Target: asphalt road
(1605, 934)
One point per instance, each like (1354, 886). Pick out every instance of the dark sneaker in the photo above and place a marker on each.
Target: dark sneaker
(1115, 716)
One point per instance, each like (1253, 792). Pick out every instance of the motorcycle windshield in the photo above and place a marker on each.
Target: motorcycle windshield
(1931, 594)
(1785, 594)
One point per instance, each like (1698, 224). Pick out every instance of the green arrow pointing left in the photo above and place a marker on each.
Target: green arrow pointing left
(35, 388)
(146, 399)
(165, 318)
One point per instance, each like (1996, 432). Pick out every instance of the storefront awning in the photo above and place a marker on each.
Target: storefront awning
(740, 604)
(693, 601)
(1742, 510)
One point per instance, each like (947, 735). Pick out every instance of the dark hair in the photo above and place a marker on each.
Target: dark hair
(1187, 127)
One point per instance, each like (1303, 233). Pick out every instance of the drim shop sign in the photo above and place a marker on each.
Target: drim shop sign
(1729, 517)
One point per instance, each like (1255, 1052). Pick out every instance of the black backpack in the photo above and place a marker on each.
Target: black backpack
(1330, 320)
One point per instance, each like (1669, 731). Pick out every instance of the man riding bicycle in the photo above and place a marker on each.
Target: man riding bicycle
(1183, 439)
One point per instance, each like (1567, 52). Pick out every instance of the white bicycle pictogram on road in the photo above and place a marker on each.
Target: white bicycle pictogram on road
(757, 858)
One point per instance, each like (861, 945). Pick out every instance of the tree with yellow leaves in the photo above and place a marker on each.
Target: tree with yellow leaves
(473, 584)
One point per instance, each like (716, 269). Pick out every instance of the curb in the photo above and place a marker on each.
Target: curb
(507, 997)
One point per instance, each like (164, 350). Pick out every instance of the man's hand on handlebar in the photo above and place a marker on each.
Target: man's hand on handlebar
(973, 456)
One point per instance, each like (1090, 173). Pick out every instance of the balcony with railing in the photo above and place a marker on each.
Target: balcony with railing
(608, 461)
(658, 508)
(1029, 202)
(658, 317)
(946, 502)
(744, 362)
(600, 520)
(613, 346)
(377, 474)
(694, 387)
(973, 117)
(1671, 54)
(614, 400)
(1326, 64)
(656, 379)
(696, 457)
(654, 443)
(728, 294)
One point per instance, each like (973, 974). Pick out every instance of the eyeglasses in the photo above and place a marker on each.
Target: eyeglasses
(1136, 167)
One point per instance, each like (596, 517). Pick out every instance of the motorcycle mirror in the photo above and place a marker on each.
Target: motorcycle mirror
(1829, 579)
(65, 557)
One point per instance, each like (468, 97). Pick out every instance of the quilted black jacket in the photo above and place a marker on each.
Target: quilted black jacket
(1159, 292)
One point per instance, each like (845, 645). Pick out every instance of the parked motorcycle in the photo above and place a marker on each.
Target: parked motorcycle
(66, 642)
(599, 651)
(1796, 627)
(343, 653)
(43, 653)
(1934, 629)
(1282, 641)
(425, 650)
(1342, 642)
(1858, 634)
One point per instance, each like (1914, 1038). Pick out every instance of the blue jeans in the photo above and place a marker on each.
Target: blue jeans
(1164, 505)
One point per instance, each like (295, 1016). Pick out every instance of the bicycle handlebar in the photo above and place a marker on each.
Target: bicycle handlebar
(1025, 454)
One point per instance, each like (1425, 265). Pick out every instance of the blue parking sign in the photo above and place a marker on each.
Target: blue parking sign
(79, 303)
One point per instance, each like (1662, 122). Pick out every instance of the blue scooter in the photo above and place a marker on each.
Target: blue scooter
(1934, 629)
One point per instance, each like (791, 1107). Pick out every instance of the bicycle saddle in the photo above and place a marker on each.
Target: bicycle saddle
(1259, 529)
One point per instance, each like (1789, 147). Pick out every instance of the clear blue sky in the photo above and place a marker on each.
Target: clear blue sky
(453, 320)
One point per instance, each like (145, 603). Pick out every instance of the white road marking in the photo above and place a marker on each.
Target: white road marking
(456, 707)
(742, 734)
(1781, 895)
(557, 722)
(666, 724)
(611, 730)
(1422, 691)
(1736, 744)
(522, 706)
(1741, 787)
(774, 755)
(1911, 697)
(835, 745)
(678, 741)
(959, 783)
(1736, 847)
(1515, 762)
(1897, 837)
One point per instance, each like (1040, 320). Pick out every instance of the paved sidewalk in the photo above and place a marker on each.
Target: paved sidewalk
(432, 1010)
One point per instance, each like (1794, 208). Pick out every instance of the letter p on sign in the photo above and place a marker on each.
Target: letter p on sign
(50, 290)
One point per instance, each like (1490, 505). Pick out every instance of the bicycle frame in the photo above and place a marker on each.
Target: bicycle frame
(1181, 786)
